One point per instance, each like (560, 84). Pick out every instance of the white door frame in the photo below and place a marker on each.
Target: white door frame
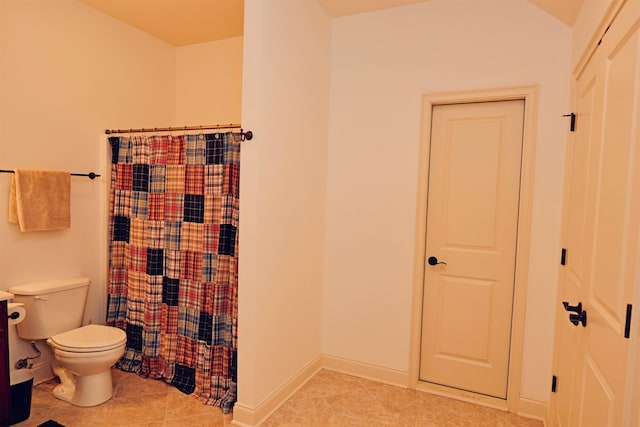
(530, 96)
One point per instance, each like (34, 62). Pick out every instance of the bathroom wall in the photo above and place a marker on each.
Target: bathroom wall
(209, 82)
(67, 73)
(282, 193)
(382, 63)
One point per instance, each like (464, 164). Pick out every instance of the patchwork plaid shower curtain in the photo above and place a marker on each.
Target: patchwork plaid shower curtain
(173, 266)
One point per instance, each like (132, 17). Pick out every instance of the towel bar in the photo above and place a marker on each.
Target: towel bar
(91, 175)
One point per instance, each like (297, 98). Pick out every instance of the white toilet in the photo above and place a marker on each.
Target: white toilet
(84, 354)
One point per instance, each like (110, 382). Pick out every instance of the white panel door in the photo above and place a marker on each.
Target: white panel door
(472, 213)
(602, 215)
(578, 223)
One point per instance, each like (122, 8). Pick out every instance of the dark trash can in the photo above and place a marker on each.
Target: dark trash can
(21, 385)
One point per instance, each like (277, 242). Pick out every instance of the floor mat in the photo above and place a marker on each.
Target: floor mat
(50, 423)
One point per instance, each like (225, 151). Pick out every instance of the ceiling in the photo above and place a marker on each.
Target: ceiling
(185, 22)
(179, 22)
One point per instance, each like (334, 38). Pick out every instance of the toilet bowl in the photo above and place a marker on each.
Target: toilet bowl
(88, 354)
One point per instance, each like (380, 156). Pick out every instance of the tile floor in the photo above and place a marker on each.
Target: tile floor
(137, 402)
(328, 399)
(334, 399)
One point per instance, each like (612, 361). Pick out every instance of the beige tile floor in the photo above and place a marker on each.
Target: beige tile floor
(334, 399)
(137, 402)
(328, 399)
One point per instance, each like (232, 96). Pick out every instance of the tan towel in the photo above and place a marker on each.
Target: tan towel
(39, 200)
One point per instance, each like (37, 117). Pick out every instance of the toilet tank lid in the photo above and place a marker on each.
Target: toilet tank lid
(48, 286)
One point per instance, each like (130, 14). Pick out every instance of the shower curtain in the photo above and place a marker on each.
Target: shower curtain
(173, 265)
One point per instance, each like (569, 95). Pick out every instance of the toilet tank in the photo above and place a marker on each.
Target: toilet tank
(52, 307)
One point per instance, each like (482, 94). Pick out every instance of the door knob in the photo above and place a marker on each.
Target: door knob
(434, 261)
(580, 315)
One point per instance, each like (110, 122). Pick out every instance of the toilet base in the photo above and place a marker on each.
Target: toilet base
(86, 390)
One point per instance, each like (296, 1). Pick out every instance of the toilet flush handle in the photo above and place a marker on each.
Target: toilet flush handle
(42, 297)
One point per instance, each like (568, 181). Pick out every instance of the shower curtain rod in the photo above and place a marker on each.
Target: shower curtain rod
(248, 135)
(90, 175)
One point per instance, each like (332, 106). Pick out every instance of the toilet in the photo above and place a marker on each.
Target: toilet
(83, 354)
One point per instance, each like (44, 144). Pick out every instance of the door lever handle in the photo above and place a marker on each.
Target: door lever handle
(580, 315)
(579, 318)
(434, 261)
(575, 309)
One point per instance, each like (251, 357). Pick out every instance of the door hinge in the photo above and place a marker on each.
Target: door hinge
(572, 127)
(554, 383)
(563, 257)
(627, 325)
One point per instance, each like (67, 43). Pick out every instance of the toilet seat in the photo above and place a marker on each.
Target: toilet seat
(89, 339)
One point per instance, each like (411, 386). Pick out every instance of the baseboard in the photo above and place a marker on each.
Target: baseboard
(366, 370)
(243, 416)
(530, 408)
(42, 372)
(246, 416)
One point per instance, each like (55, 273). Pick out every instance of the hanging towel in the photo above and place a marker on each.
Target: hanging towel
(39, 200)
